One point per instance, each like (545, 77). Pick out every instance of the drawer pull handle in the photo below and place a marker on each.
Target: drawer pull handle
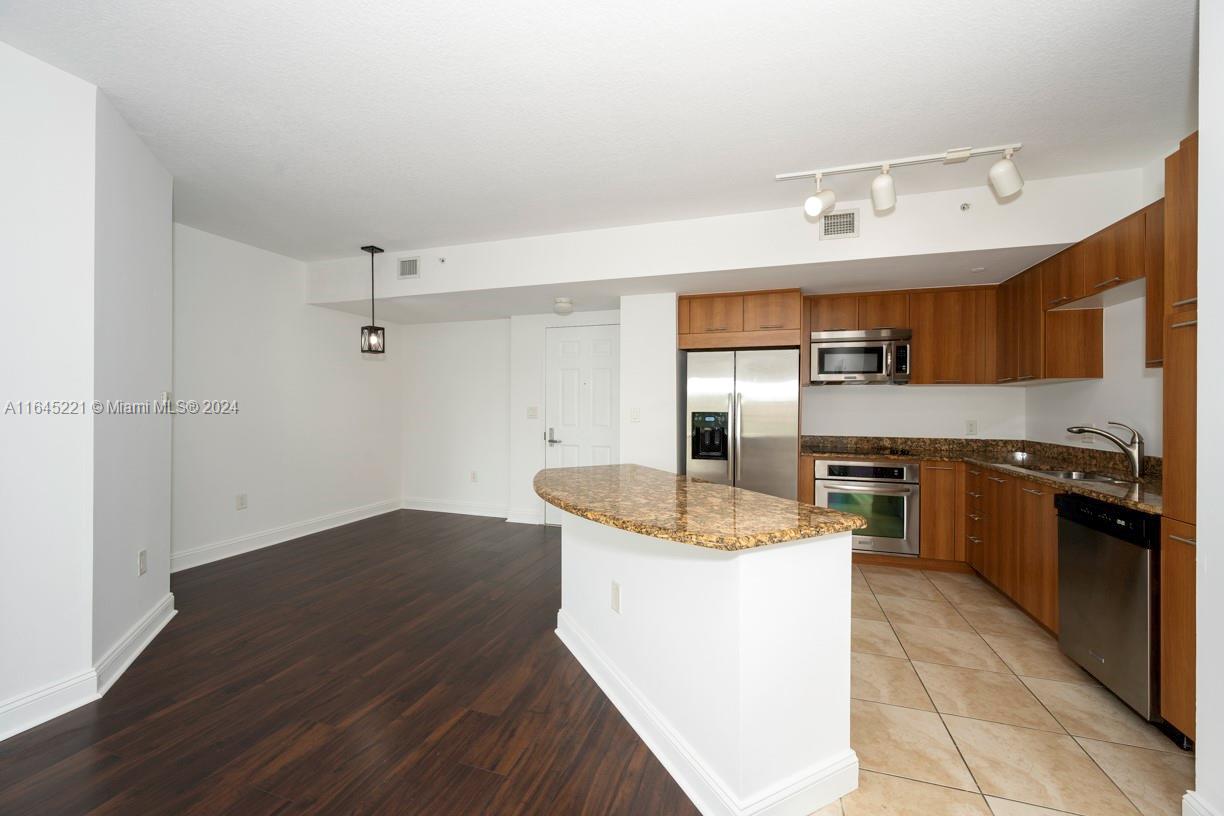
(1026, 377)
(1157, 360)
(996, 479)
(1183, 324)
(1114, 279)
(1185, 302)
(937, 467)
(975, 473)
(1192, 541)
(947, 381)
(716, 328)
(1034, 492)
(975, 495)
(1005, 379)
(975, 517)
(1058, 300)
(975, 540)
(771, 326)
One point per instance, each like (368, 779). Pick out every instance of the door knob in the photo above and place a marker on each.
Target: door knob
(551, 438)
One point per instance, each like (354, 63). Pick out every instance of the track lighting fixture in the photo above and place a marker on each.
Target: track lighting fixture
(883, 191)
(1004, 177)
(819, 202)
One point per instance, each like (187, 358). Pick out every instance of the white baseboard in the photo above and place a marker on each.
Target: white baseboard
(797, 797)
(1195, 805)
(463, 508)
(36, 707)
(197, 556)
(116, 660)
(528, 515)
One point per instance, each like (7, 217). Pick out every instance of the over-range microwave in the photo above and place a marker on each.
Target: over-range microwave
(875, 356)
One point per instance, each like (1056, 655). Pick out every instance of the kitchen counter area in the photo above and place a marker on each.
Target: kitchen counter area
(717, 621)
(1043, 461)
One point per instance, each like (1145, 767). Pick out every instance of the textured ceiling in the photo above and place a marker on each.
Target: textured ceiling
(311, 128)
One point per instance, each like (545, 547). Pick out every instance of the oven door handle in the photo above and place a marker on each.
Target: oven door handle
(869, 488)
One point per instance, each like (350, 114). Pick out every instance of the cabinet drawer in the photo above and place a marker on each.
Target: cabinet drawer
(772, 310)
(724, 313)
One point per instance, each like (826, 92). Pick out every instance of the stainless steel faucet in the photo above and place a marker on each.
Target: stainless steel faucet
(1133, 449)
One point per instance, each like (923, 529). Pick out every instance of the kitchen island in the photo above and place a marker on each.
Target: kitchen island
(717, 620)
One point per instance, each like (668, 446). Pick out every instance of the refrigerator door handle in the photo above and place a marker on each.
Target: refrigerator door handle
(732, 453)
(739, 436)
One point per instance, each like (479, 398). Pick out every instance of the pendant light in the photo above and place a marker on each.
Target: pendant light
(373, 338)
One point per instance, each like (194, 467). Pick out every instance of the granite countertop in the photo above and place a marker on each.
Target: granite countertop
(1144, 496)
(680, 508)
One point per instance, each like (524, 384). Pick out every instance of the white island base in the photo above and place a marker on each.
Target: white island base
(732, 666)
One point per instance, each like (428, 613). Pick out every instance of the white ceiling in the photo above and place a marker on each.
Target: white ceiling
(312, 128)
(870, 275)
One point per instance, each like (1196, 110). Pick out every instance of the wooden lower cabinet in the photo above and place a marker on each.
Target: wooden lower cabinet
(1036, 530)
(938, 519)
(807, 479)
(974, 521)
(999, 539)
(1178, 551)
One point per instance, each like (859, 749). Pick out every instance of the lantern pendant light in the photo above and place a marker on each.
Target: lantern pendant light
(373, 337)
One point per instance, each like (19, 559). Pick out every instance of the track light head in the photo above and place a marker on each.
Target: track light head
(1005, 177)
(883, 191)
(819, 202)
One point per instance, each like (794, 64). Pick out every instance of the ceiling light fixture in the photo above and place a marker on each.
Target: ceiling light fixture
(563, 306)
(819, 202)
(373, 338)
(1004, 177)
(883, 191)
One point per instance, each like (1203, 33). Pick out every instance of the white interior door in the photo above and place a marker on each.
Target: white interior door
(582, 403)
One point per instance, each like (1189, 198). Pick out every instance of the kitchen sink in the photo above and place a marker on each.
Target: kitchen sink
(1085, 476)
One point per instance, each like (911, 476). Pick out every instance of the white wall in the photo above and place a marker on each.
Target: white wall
(46, 337)
(1128, 392)
(132, 362)
(527, 384)
(911, 410)
(1209, 773)
(456, 401)
(648, 386)
(1051, 211)
(313, 443)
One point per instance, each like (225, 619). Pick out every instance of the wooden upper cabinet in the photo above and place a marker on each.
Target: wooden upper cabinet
(884, 310)
(1180, 416)
(947, 343)
(1073, 346)
(1181, 227)
(1030, 322)
(1007, 330)
(1037, 552)
(766, 311)
(1062, 277)
(721, 313)
(682, 315)
(1154, 272)
(1115, 254)
(835, 312)
(1178, 553)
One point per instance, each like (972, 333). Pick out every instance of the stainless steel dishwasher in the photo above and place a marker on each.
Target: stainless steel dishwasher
(1108, 568)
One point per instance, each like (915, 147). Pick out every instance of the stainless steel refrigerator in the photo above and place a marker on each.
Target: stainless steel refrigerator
(741, 419)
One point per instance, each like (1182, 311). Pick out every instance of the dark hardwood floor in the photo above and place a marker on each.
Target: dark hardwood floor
(403, 664)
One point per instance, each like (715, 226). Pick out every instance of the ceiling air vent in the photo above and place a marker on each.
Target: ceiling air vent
(840, 224)
(409, 268)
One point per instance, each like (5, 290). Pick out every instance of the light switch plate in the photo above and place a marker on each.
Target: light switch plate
(971, 427)
(533, 412)
(635, 414)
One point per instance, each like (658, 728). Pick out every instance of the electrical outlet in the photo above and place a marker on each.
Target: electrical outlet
(971, 427)
(533, 412)
(240, 501)
(142, 562)
(616, 597)
(475, 476)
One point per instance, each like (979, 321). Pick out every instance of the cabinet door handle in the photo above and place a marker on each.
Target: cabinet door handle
(1185, 302)
(937, 467)
(975, 540)
(1114, 279)
(1005, 379)
(975, 517)
(771, 326)
(1157, 360)
(947, 381)
(1026, 377)
(974, 495)
(716, 328)
(996, 479)
(1183, 324)
(975, 473)
(1192, 541)
(1034, 492)
(1058, 300)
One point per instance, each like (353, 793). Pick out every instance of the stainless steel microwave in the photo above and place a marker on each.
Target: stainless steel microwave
(875, 356)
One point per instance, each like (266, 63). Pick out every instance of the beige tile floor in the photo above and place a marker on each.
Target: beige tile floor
(963, 705)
